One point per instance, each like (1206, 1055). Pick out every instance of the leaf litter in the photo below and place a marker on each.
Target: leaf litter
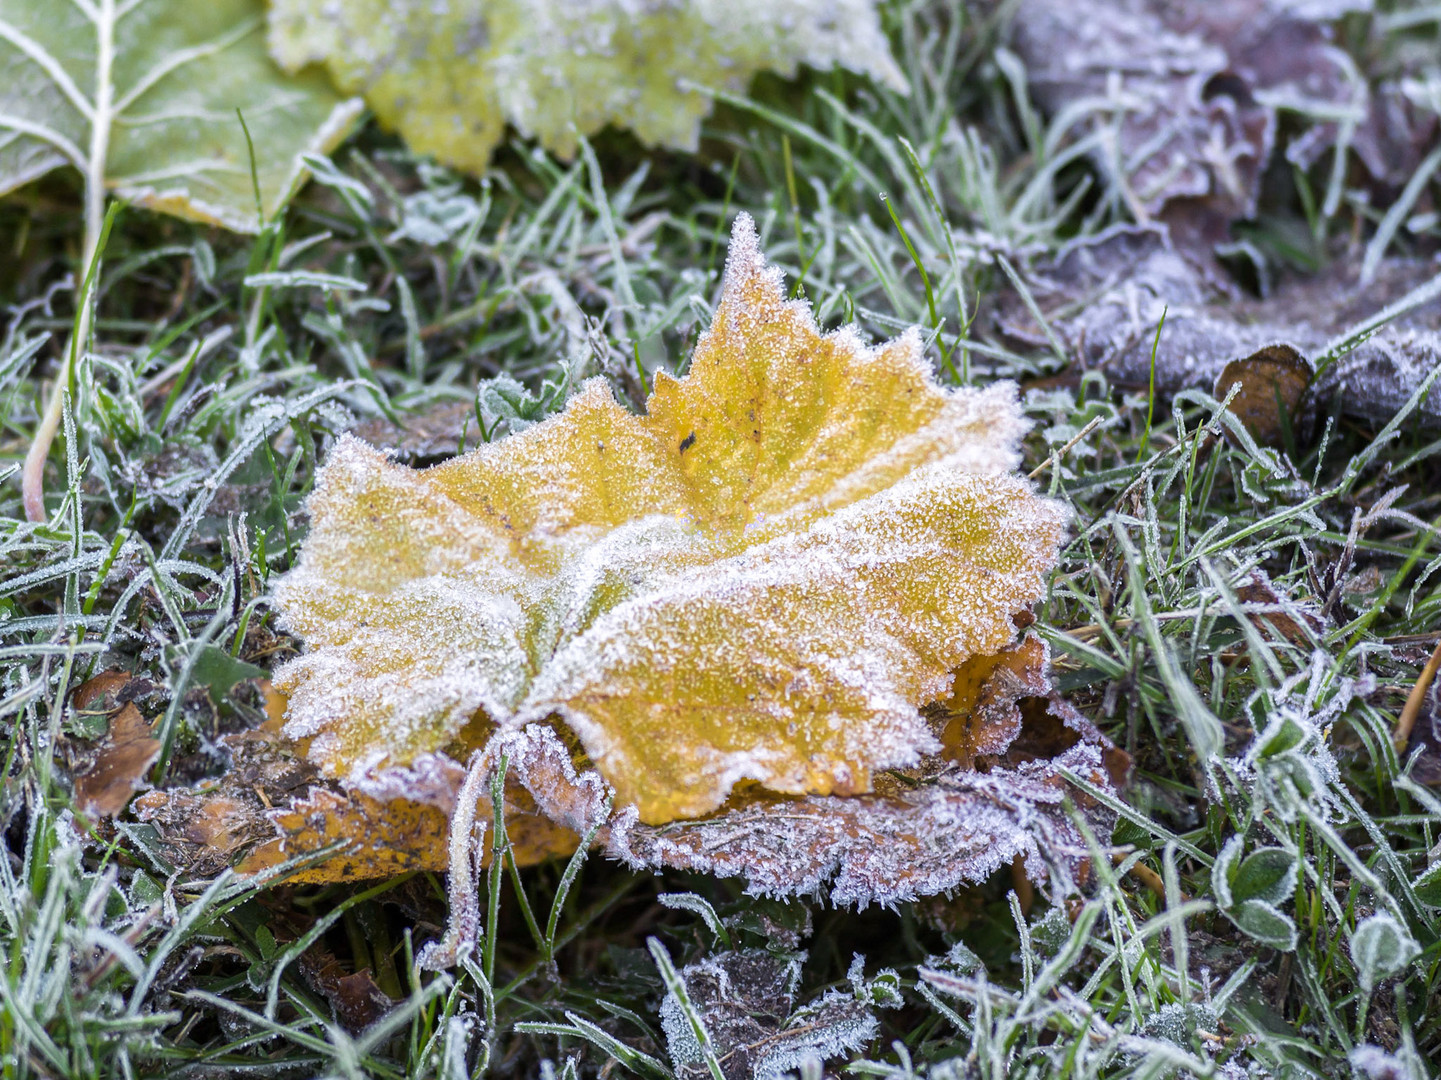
(746, 1001)
(1184, 102)
(767, 629)
(1104, 298)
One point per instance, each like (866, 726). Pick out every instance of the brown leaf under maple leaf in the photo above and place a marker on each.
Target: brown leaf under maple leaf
(272, 804)
(931, 829)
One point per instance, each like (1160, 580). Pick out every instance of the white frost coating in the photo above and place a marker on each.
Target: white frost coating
(1128, 275)
(956, 831)
(746, 1001)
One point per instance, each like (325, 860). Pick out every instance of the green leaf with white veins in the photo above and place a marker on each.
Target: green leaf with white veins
(145, 99)
(141, 96)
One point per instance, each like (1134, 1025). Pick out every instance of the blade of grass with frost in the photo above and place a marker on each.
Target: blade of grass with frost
(1057, 349)
(1203, 729)
(676, 988)
(579, 1026)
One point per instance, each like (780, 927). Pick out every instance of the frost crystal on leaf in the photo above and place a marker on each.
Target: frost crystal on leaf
(746, 1002)
(451, 76)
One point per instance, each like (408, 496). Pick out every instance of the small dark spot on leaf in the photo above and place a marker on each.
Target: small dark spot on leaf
(687, 442)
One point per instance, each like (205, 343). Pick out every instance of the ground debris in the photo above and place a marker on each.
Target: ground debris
(1105, 296)
(746, 1001)
(108, 772)
(1184, 100)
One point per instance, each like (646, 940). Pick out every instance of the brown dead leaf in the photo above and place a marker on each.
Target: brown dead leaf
(1183, 99)
(1273, 382)
(357, 1000)
(272, 805)
(746, 1001)
(101, 693)
(1300, 624)
(107, 772)
(118, 764)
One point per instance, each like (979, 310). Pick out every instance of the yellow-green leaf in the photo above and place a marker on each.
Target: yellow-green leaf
(450, 76)
(141, 96)
(762, 579)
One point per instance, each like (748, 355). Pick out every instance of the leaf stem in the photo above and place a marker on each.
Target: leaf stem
(32, 479)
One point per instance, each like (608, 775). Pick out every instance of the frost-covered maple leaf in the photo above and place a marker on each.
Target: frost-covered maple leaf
(762, 579)
(705, 637)
(450, 76)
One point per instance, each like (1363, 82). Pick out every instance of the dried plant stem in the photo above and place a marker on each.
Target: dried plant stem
(1057, 455)
(464, 931)
(32, 478)
(1145, 875)
(1412, 709)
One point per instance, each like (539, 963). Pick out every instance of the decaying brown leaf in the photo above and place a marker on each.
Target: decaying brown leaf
(1302, 624)
(1182, 100)
(107, 773)
(357, 1000)
(746, 1001)
(1104, 297)
(764, 630)
(1271, 385)
(272, 804)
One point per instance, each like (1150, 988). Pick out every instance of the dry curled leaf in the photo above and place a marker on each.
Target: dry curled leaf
(1271, 385)
(450, 77)
(1182, 99)
(770, 622)
(107, 773)
(353, 996)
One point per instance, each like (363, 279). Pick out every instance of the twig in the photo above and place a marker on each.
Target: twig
(1056, 455)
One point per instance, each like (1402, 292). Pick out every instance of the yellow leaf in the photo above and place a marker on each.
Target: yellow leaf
(762, 579)
(450, 76)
